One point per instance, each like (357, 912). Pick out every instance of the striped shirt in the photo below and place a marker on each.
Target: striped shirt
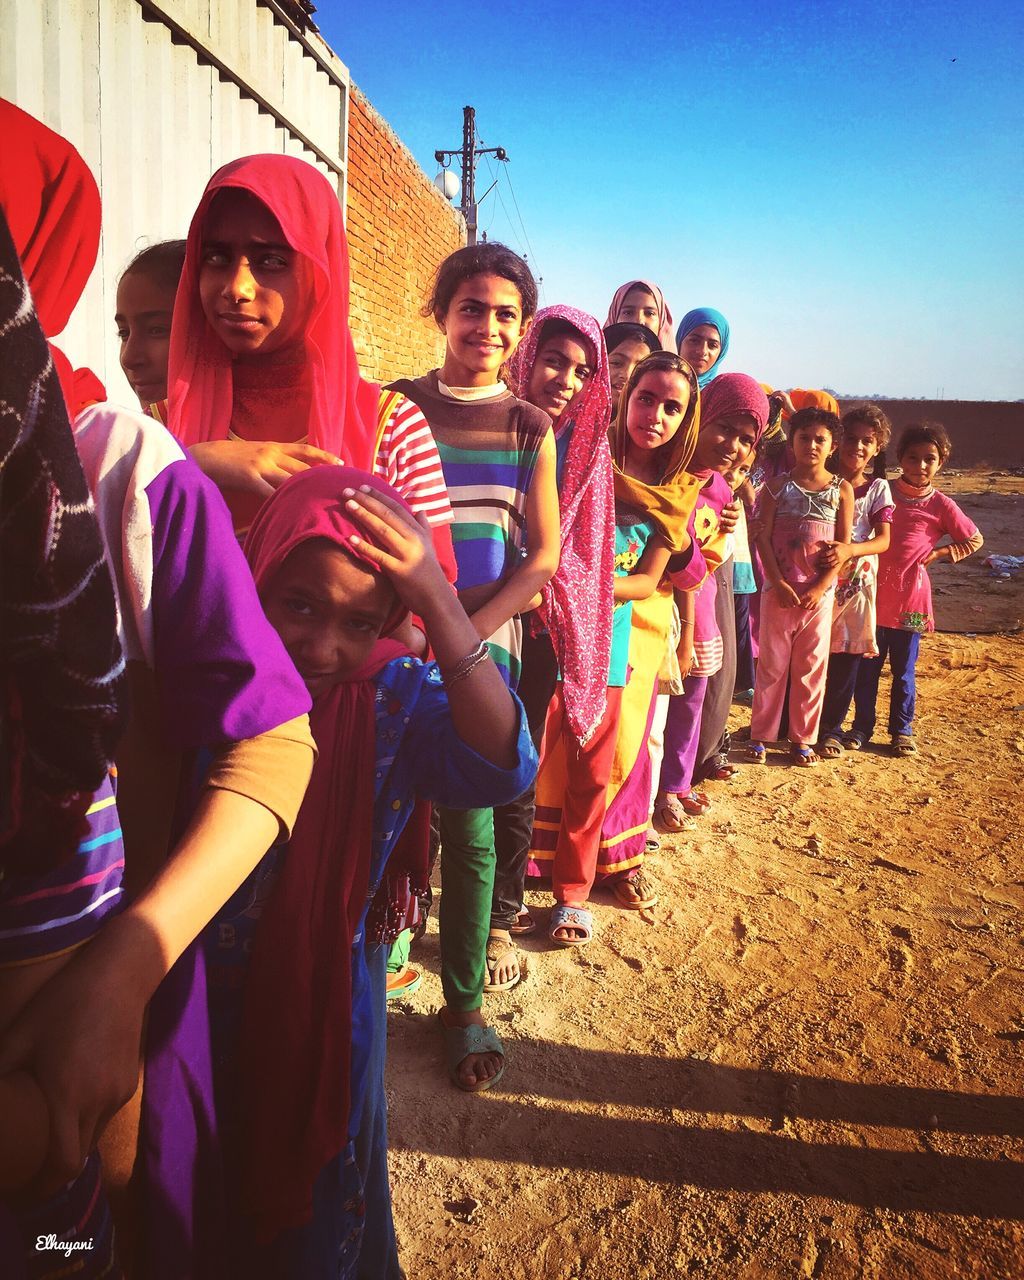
(408, 460)
(44, 916)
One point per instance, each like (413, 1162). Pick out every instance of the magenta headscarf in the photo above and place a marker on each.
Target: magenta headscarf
(666, 333)
(578, 602)
(734, 393)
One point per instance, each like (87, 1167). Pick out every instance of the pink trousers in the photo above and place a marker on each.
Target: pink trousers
(794, 646)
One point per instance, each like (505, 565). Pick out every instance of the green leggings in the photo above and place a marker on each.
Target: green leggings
(464, 918)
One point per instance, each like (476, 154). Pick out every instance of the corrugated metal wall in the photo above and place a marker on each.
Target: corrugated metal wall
(156, 95)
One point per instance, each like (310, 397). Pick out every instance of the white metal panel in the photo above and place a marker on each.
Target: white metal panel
(153, 123)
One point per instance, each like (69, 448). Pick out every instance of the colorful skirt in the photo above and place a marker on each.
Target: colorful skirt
(629, 785)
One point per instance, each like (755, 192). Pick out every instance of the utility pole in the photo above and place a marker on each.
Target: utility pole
(468, 155)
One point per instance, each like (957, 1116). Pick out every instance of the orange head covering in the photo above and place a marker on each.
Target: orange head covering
(803, 399)
(343, 407)
(52, 206)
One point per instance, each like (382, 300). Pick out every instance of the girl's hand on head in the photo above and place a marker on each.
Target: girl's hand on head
(402, 546)
(257, 466)
(729, 518)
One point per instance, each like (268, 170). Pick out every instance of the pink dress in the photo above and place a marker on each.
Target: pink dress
(919, 523)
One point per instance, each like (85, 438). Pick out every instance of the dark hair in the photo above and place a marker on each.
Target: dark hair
(870, 415)
(812, 416)
(660, 362)
(925, 433)
(163, 262)
(626, 330)
(489, 259)
(556, 327)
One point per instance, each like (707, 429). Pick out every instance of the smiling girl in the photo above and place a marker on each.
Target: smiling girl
(799, 513)
(702, 339)
(263, 380)
(922, 516)
(498, 456)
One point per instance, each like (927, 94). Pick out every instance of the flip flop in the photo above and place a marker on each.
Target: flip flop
(652, 841)
(670, 817)
(460, 1043)
(497, 950)
(696, 803)
(803, 757)
(563, 917)
(756, 753)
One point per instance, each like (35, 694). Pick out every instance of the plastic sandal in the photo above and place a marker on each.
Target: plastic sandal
(497, 950)
(635, 892)
(854, 741)
(721, 769)
(803, 757)
(903, 744)
(563, 917)
(403, 983)
(696, 803)
(460, 1043)
(831, 748)
(524, 924)
(756, 753)
(652, 841)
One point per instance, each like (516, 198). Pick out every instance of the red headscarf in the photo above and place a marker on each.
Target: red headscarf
(343, 409)
(666, 332)
(578, 600)
(297, 1023)
(52, 205)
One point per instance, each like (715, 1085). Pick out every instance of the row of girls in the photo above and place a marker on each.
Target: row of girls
(194, 961)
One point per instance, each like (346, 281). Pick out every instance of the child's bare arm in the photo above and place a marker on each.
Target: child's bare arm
(814, 591)
(642, 583)
(256, 466)
(686, 604)
(544, 547)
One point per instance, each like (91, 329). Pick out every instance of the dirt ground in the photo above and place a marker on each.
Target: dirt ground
(810, 1065)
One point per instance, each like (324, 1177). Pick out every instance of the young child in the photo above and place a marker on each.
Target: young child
(569, 635)
(263, 378)
(733, 414)
(702, 339)
(865, 435)
(145, 308)
(799, 513)
(641, 302)
(922, 516)
(627, 344)
(654, 498)
(744, 585)
(498, 456)
(338, 558)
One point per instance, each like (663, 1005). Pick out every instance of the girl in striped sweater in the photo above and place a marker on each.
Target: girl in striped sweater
(498, 455)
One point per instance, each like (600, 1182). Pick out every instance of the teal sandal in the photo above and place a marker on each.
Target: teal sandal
(563, 917)
(460, 1043)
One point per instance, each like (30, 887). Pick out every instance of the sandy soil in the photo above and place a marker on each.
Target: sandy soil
(810, 1064)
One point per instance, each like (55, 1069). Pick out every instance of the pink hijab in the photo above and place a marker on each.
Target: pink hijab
(666, 331)
(578, 603)
(343, 410)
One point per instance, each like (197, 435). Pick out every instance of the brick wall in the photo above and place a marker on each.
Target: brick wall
(399, 229)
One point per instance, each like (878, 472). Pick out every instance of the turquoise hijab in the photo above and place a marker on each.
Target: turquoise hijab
(705, 315)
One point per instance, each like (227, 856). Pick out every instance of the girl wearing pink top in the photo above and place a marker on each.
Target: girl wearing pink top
(922, 517)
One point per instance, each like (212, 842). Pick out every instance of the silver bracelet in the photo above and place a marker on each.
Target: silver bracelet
(465, 666)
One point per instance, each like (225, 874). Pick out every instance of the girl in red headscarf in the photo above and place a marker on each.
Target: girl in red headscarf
(263, 379)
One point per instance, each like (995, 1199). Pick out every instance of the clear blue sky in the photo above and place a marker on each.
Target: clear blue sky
(847, 194)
